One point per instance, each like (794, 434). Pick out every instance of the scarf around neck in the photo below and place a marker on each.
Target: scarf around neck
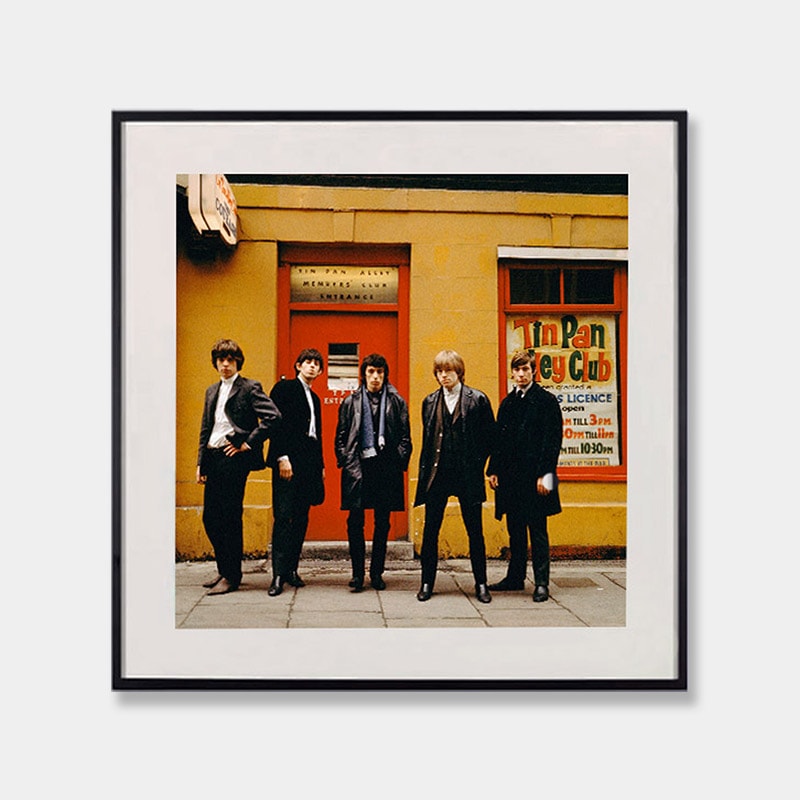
(367, 430)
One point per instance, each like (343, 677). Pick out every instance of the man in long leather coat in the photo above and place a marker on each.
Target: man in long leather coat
(373, 446)
(458, 425)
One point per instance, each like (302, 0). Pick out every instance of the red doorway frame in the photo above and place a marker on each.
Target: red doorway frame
(367, 255)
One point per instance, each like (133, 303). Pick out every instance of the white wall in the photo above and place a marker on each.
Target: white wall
(732, 70)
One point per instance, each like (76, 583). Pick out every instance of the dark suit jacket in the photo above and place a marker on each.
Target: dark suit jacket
(291, 439)
(253, 415)
(477, 428)
(527, 447)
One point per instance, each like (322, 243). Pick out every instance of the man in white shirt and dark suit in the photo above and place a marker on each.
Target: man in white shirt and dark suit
(237, 419)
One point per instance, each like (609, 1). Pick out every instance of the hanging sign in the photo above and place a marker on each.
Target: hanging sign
(575, 357)
(212, 206)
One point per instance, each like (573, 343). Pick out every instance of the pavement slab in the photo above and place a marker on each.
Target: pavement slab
(582, 594)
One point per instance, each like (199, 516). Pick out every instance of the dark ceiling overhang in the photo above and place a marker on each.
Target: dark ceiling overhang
(548, 184)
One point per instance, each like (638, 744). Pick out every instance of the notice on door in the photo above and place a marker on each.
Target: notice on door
(576, 359)
(323, 284)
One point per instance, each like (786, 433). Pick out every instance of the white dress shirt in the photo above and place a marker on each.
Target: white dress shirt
(451, 397)
(312, 425)
(222, 425)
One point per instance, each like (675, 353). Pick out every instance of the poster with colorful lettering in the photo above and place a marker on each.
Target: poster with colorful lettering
(576, 359)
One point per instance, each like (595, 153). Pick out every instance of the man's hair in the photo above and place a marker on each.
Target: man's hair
(449, 359)
(227, 347)
(375, 360)
(309, 354)
(520, 357)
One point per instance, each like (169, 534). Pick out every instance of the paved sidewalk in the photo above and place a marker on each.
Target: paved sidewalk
(582, 594)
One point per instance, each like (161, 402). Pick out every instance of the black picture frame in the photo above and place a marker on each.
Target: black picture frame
(129, 159)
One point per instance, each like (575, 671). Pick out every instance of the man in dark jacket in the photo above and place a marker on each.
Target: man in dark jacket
(458, 426)
(522, 471)
(298, 471)
(237, 418)
(373, 446)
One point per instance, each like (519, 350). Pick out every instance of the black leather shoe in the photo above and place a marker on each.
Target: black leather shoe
(482, 593)
(295, 580)
(540, 594)
(506, 585)
(425, 592)
(223, 587)
(357, 585)
(213, 582)
(377, 583)
(276, 587)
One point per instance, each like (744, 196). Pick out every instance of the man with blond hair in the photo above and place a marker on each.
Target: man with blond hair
(458, 426)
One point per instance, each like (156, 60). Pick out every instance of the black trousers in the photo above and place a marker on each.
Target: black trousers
(435, 504)
(223, 503)
(290, 506)
(357, 547)
(523, 522)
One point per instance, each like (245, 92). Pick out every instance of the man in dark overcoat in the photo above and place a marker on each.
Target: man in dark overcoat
(522, 471)
(458, 427)
(237, 419)
(298, 471)
(373, 446)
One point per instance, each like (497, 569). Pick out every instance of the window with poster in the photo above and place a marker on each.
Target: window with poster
(568, 309)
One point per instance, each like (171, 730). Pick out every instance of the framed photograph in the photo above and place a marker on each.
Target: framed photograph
(540, 251)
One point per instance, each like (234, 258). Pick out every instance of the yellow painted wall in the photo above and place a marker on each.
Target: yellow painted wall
(233, 296)
(453, 302)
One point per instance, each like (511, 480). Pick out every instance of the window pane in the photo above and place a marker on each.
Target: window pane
(588, 285)
(531, 286)
(343, 366)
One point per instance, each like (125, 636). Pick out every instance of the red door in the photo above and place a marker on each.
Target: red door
(343, 338)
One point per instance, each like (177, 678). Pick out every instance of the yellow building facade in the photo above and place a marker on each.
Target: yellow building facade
(466, 267)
